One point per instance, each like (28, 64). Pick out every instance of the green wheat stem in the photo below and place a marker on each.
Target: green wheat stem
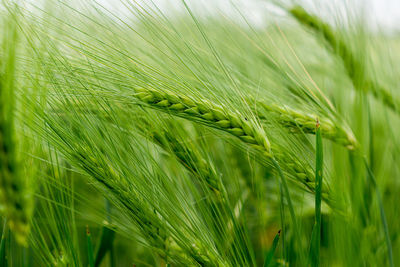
(89, 247)
(381, 213)
(316, 233)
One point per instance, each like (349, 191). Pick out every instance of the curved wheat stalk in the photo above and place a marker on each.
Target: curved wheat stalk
(147, 220)
(214, 116)
(188, 156)
(209, 114)
(353, 67)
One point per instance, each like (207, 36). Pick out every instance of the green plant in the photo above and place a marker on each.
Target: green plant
(15, 197)
(192, 137)
(355, 68)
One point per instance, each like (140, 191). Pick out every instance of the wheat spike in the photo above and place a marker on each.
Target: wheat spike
(296, 120)
(14, 198)
(353, 67)
(148, 221)
(214, 116)
(209, 114)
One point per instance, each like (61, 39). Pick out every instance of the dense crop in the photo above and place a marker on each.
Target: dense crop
(194, 137)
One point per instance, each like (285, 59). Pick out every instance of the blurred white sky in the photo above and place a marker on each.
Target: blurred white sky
(388, 12)
(385, 12)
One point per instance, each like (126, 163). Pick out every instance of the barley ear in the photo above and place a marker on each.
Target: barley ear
(207, 113)
(14, 197)
(296, 120)
(216, 117)
(354, 68)
(189, 156)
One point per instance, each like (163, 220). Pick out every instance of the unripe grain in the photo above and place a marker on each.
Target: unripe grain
(213, 115)
(209, 114)
(353, 66)
(296, 121)
(13, 196)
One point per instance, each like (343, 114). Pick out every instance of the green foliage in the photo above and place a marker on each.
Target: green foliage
(190, 137)
(15, 197)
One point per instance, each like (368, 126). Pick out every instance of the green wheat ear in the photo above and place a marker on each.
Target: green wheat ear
(188, 155)
(207, 113)
(214, 116)
(15, 200)
(150, 224)
(296, 121)
(353, 66)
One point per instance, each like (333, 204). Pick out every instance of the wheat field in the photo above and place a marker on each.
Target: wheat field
(197, 133)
